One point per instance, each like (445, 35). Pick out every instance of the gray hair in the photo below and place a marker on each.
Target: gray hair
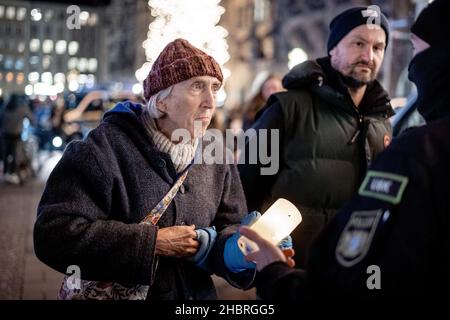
(160, 96)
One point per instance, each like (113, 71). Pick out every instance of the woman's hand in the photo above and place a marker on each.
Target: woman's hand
(176, 241)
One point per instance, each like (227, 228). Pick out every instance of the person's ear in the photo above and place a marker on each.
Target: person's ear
(332, 51)
(161, 106)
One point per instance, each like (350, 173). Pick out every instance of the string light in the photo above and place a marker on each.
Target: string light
(195, 21)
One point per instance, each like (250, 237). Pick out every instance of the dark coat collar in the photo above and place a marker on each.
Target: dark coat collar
(126, 116)
(320, 76)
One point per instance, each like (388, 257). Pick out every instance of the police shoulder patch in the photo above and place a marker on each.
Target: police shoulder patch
(356, 238)
(384, 186)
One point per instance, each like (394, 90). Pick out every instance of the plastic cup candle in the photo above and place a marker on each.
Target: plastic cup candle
(275, 224)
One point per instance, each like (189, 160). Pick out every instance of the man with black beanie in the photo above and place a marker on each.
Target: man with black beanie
(392, 239)
(333, 121)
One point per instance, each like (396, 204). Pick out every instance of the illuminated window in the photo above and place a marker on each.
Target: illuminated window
(21, 13)
(59, 87)
(20, 78)
(9, 63)
(19, 64)
(10, 12)
(34, 45)
(73, 85)
(73, 47)
(72, 63)
(34, 60)
(92, 65)
(33, 77)
(59, 77)
(259, 10)
(60, 47)
(29, 90)
(36, 14)
(93, 19)
(90, 81)
(47, 46)
(82, 78)
(47, 78)
(82, 64)
(84, 16)
(9, 77)
(21, 47)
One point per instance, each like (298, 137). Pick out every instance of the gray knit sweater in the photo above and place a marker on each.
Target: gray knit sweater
(102, 188)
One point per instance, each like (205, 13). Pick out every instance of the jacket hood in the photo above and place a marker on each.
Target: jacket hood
(303, 75)
(320, 77)
(125, 107)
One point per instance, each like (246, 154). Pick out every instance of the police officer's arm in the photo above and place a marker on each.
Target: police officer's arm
(256, 185)
(275, 280)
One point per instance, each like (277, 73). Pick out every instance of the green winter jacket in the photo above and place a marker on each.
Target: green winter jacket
(326, 144)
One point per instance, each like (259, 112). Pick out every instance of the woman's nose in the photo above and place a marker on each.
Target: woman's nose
(209, 98)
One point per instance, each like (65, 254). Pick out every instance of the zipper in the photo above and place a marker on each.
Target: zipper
(358, 129)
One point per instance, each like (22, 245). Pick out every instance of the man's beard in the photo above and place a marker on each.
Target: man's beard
(353, 82)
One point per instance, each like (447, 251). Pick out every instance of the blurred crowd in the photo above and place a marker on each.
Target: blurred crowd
(32, 126)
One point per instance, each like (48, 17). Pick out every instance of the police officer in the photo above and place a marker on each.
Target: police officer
(393, 238)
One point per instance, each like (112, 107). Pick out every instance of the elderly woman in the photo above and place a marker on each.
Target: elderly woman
(92, 210)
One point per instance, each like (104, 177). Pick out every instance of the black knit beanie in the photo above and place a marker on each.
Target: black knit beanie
(350, 19)
(432, 24)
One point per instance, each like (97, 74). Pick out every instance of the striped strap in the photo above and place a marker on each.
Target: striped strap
(156, 213)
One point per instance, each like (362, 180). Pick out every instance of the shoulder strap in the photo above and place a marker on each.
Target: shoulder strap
(156, 213)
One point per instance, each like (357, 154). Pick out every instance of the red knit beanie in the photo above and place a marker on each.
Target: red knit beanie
(179, 61)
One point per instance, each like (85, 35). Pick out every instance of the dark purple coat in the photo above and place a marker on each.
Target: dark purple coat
(102, 188)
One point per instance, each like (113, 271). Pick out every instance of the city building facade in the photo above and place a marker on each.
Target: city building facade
(47, 48)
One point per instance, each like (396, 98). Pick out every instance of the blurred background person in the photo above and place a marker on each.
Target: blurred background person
(240, 119)
(271, 84)
(11, 127)
(218, 121)
(57, 115)
(1, 139)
